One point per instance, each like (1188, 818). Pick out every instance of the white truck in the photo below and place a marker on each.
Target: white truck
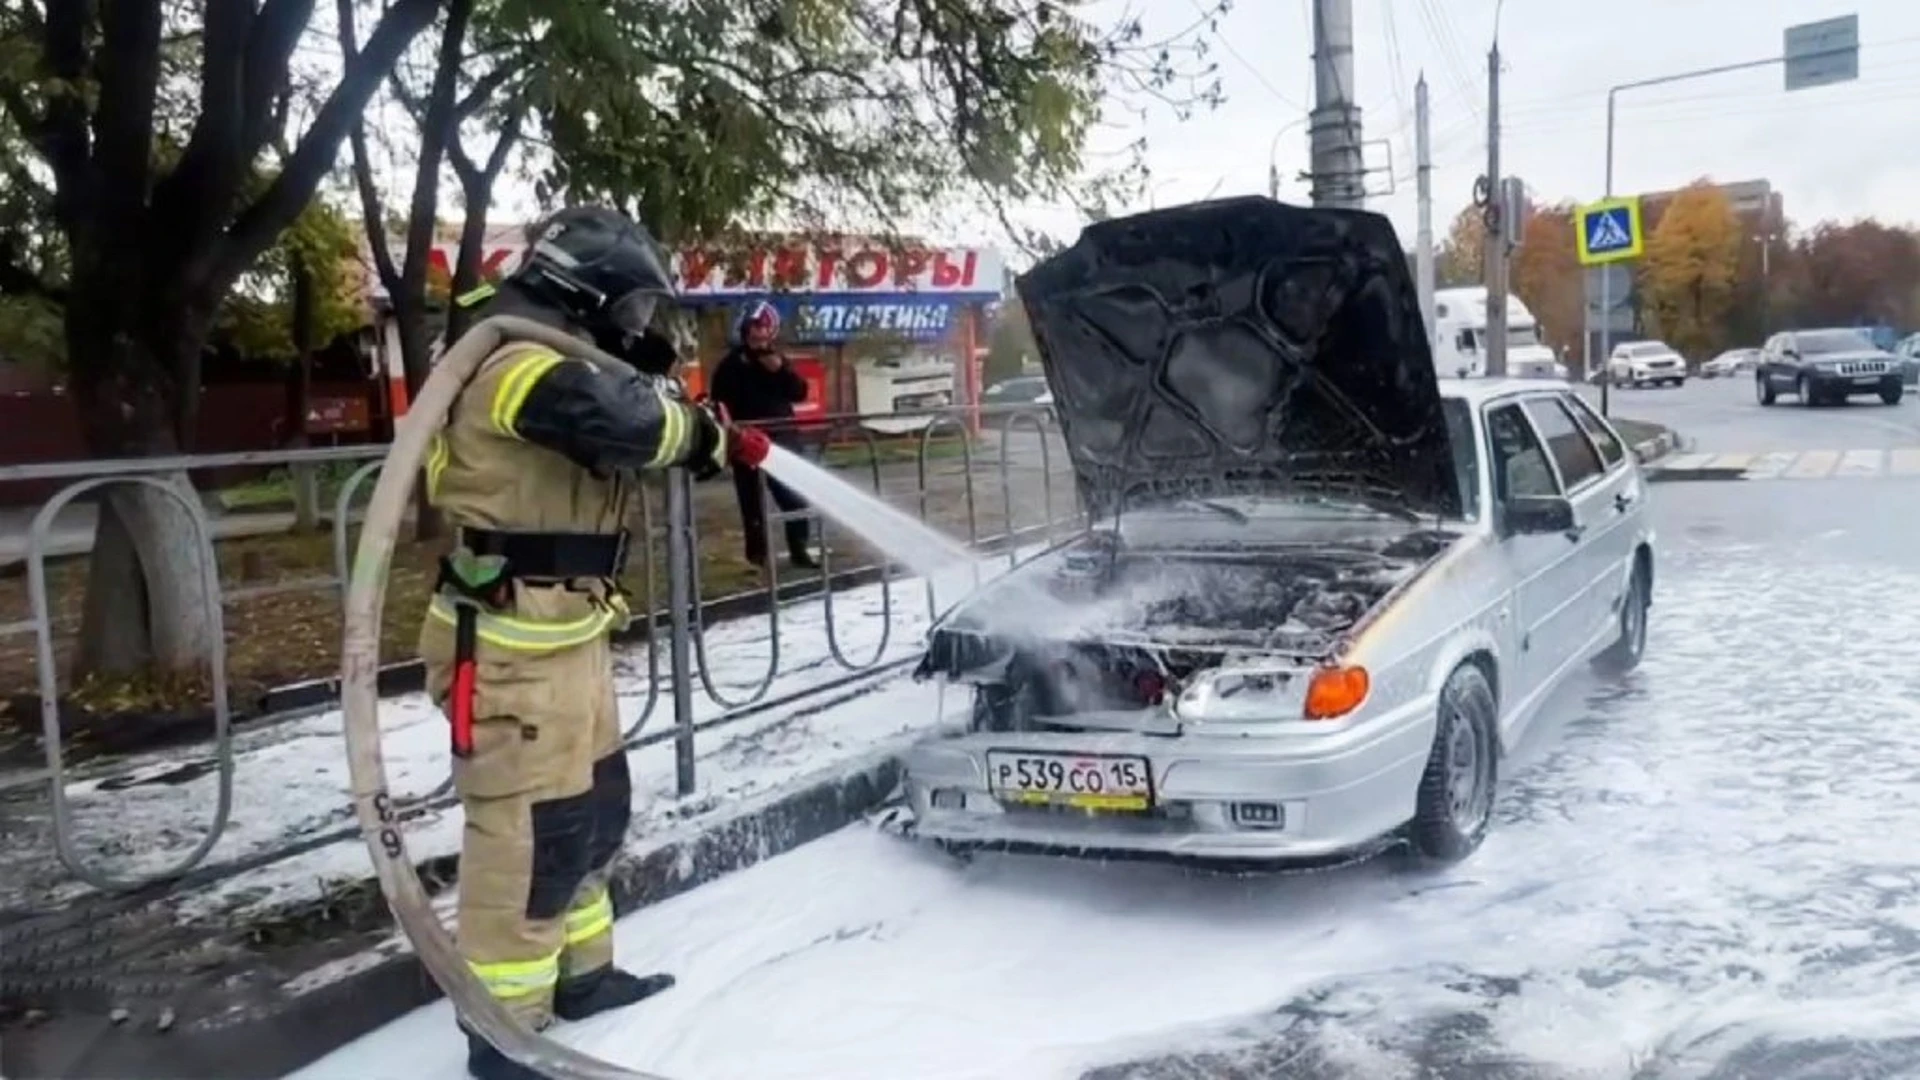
(1460, 337)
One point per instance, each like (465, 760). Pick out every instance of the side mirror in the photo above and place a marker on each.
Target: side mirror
(1538, 515)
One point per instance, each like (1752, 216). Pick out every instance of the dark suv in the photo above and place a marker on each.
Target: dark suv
(1820, 366)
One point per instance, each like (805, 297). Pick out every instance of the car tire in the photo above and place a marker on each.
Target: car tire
(1454, 807)
(1627, 650)
(1763, 389)
(1804, 389)
(1891, 395)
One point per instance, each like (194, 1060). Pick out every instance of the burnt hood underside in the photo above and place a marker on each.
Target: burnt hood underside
(1241, 346)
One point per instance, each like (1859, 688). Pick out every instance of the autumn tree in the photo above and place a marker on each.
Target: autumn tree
(1548, 278)
(1686, 279)
(146, 125)
(1461, 260)
(1857, 273)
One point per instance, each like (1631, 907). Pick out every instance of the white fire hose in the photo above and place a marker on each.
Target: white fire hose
(359, 667)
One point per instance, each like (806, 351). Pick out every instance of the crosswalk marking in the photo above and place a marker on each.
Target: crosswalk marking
(1814, 464)
(1796, 464)
(1772, 465)
(1861, 462)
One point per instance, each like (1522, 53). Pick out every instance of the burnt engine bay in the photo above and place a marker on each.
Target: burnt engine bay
(1096, 626)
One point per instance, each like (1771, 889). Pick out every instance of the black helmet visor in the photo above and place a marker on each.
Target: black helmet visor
(633, 313)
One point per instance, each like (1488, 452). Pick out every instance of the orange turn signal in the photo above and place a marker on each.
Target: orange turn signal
(1336, 691)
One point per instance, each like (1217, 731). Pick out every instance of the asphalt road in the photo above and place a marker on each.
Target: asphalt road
(1721, 415)
(1709, 869)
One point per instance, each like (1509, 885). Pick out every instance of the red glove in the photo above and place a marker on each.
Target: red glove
(749, 446)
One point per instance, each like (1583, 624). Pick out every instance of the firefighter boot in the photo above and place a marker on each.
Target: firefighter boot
(486, 1063)
(605, 988)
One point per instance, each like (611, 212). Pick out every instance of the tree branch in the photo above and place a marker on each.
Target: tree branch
(373, 216)
(437, 129)
(129, 75)
(195, 195)
(484, 87)
(257, 226)
(62, 130)
(270, 46)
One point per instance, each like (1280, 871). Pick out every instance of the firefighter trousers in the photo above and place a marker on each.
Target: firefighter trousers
(547, 798)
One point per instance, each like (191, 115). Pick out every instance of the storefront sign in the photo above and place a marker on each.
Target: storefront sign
(832, 321)
(860, 269)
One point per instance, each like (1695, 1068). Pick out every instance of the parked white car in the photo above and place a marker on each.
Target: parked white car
(1323, 593)
(1646, 363)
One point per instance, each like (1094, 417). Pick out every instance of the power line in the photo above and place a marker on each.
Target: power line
(1248, 64)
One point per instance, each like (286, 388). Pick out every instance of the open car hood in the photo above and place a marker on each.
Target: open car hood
(1241, 346)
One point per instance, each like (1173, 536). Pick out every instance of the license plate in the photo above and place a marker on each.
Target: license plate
(1082, 781)
(1866, 380)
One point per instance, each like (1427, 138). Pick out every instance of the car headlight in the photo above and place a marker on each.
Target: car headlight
(1272, 694)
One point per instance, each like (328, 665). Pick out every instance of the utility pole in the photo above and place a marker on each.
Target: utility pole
(1494, 212)
(1423, 170)
(1338, 171)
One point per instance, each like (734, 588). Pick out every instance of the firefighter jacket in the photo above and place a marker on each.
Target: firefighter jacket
(547, 445)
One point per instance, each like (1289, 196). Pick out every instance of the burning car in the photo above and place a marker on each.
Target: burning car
(1322, 592)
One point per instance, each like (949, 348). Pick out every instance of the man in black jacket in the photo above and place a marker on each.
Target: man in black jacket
(756, 384)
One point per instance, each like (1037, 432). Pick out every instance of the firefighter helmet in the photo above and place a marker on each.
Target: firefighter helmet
(600, 267)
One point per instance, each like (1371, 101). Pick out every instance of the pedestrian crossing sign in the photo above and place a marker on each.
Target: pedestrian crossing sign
(1608, 231)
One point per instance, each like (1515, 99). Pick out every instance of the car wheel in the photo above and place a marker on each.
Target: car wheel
(1891, 394)
(1624, 654)
(1455, 803)
(1762, 389)
(1804, 389)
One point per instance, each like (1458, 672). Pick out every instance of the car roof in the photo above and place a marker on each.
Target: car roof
(1477, 390)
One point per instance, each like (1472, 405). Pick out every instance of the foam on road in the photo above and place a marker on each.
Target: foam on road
(1714, 855)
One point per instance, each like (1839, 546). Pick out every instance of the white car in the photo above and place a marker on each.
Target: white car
(1321, 592)
(1731, 362)
(1646, 363)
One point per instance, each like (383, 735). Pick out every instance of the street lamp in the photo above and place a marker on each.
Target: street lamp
(1815, 54)
(1273, 151)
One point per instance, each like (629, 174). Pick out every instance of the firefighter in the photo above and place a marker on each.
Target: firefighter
(536, 470)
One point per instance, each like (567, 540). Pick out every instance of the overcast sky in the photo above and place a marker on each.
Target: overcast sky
(1847, 150)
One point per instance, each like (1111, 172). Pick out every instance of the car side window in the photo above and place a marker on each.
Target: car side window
(1519, 463)
(1603, 437)
(1565, 441)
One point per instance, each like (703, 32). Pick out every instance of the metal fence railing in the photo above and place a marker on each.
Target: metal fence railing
(938, 471)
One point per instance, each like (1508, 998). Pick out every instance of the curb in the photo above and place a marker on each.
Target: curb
(247, 1013)
(1651, 450)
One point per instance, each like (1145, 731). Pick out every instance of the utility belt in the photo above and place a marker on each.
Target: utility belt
(477, 578)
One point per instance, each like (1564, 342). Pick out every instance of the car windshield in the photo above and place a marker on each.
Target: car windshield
(1650, 349)
(1830, 341)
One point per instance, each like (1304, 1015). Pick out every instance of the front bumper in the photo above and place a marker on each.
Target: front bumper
(1831, 385)
(1658, 374)
(1337, 793)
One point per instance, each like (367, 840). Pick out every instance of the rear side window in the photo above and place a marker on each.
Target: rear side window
(1565, 441)
(1611, 451)
(1519, 463)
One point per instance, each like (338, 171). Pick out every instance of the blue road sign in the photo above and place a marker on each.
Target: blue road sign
(1608, 231)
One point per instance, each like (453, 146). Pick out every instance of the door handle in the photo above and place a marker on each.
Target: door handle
(1574, 534)
(1621, 502)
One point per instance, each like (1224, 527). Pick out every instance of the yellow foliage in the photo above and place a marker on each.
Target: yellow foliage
(1547, 276)
(1461, 258)
(1687, 278)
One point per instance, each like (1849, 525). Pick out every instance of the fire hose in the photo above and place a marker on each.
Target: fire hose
(373, 804)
